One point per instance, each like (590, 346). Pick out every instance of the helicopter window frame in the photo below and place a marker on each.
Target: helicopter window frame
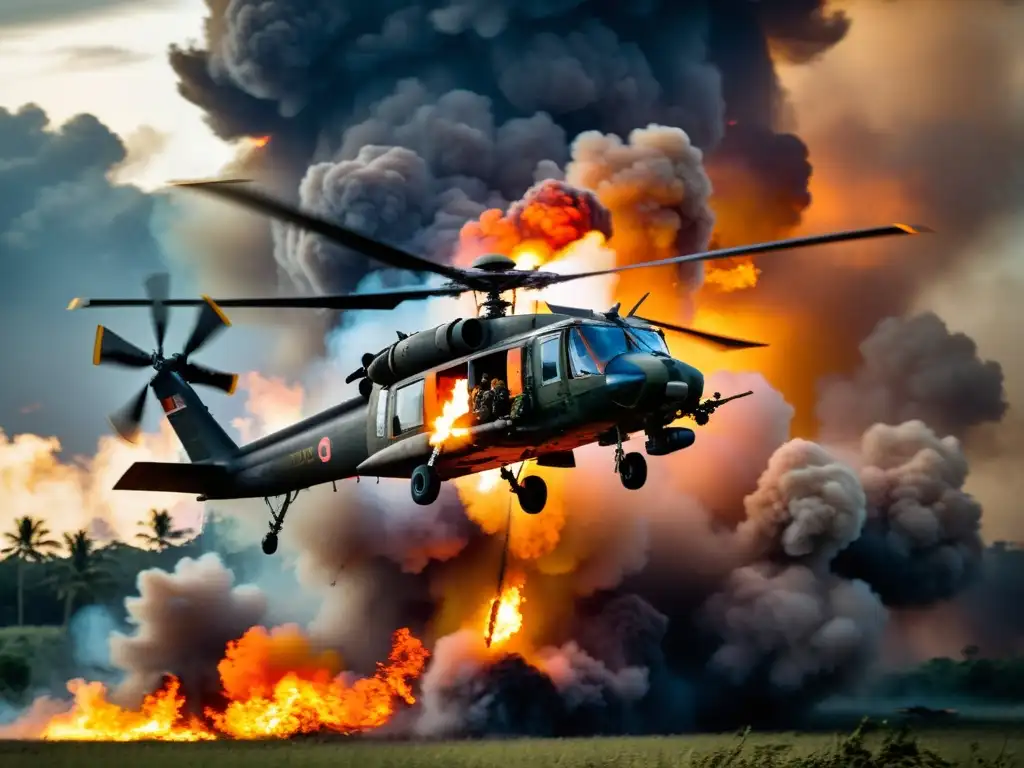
(576, 357)
(554, 340)
(382, 413)
(418, 390)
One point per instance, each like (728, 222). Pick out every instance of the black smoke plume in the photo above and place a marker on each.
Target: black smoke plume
(408, 119)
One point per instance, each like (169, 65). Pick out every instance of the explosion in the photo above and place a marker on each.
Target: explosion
(262, 702)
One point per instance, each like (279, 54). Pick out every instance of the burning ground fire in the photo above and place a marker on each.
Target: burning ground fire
(275, 687)
(265, 701)
(262, 702)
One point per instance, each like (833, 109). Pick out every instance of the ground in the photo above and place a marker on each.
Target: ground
(951, 741)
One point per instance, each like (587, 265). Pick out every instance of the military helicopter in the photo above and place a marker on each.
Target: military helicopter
(574, 377)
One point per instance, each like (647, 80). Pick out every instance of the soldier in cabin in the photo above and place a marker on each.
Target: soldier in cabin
(480, 399)
(500, 400)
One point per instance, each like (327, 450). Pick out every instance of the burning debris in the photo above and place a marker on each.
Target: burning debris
(504, 618)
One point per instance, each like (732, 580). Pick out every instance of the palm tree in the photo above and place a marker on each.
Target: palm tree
(28, 543)
(84, 572)
(162, 533)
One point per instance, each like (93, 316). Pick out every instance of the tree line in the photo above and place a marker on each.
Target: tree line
(76, 569)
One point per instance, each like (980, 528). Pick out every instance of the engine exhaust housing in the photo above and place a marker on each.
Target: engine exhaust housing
(426, 349)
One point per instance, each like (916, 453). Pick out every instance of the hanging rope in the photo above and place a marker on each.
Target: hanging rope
(503, 566)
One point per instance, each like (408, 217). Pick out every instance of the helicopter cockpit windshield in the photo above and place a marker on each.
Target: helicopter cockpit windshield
(608, 341)
(605, 342)
(649, 340)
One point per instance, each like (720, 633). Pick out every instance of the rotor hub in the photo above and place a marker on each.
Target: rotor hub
(494, 262)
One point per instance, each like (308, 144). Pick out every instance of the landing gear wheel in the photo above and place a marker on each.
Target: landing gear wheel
(276, 521)
(633, 471)
(270, 544)
(533, 494)
(425, 485)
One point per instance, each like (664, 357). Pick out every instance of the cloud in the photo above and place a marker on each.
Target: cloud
(67, 230)
(99, 56)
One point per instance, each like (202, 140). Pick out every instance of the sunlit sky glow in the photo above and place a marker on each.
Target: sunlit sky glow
(113, 63)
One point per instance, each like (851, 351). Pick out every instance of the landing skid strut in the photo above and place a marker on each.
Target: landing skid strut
(276, 521)
(630, 467)
(532, 492)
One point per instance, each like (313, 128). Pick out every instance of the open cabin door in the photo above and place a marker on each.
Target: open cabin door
(516, 371)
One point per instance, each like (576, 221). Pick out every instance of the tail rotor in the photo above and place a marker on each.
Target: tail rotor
(112, 349)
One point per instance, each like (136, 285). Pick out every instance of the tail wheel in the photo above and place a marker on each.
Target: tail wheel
(633, 471)
(533, 494)
(425, 485)
(269, 544)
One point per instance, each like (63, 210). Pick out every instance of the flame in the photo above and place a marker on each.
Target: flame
(735, 274)
(93, 718)
(457, 405)
(270, 705)
(258, 142)
(530, 256)
(307, 705)
(504, 617)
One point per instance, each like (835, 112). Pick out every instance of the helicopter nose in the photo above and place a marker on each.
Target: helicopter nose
(693, 379)
(634, 379)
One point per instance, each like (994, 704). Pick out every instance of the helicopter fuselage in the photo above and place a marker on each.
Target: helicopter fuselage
(580, 381)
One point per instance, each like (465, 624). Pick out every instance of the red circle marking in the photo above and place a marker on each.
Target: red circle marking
(324, 449)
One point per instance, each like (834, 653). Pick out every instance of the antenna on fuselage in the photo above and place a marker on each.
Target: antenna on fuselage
(637, 305)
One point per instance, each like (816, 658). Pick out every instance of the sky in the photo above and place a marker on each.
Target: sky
(109, 58)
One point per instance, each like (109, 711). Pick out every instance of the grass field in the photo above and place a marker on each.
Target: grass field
(931, 747)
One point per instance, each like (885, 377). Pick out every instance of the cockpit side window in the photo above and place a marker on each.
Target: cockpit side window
(580, 361)
(550, 365)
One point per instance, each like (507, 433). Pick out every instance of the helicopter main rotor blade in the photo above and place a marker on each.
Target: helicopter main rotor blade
(756, 248)
(714, 339)
(381, 300)
(260, 203)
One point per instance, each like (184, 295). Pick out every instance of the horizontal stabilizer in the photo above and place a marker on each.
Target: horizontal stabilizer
(166, 477)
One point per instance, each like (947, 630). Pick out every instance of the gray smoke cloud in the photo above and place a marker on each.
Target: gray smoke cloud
(922, 540)
(914, 368)
(183, 621)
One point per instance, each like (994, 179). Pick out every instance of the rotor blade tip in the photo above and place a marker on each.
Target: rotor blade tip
(220, 312)
(98, 345)
(204, 182)
(914, 229)
(75, 303)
